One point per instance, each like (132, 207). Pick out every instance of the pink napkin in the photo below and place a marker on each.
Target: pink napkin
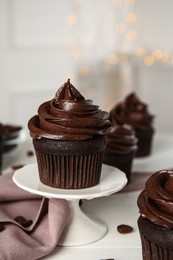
(38, 234)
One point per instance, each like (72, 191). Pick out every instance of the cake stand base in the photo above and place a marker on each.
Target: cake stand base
(81, 229)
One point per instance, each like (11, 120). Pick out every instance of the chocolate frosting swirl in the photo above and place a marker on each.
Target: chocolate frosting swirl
(121, 140)
(132, 111)
(69, 116)
(156, 201)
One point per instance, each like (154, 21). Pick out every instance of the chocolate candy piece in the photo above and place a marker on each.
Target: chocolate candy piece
(30, 153)
(23, 221)
(20, 219)
(124, 229)
(17, 166)
(27, 223)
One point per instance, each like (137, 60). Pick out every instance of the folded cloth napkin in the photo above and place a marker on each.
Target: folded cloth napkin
(30, 225)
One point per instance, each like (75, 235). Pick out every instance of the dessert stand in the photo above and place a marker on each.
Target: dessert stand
(81, 229)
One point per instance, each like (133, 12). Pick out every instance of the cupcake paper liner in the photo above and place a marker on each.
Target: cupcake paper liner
(69, 172)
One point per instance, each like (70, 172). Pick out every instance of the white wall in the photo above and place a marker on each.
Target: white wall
(34, 60)
(37, 54)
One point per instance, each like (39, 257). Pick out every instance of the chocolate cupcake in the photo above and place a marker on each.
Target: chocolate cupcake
(156, 216)
(9, 135)
(121, 147)
(69, 137)
(134, 112)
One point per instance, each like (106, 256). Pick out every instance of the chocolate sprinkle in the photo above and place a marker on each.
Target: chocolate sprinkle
(124, 229)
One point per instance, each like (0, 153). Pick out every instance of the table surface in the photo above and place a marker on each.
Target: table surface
(116, 209)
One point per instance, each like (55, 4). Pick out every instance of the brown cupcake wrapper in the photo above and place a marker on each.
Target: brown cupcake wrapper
(157, 241)
(69, 172)
(152, 251)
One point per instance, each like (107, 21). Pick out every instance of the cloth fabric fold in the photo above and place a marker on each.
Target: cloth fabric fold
(30, 225)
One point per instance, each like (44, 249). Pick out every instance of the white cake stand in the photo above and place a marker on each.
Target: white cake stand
(80, 229)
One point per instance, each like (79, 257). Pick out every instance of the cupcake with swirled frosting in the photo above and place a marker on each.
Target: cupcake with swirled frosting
(69, 137)
(121, 147)
(155, 223)
(134, 112)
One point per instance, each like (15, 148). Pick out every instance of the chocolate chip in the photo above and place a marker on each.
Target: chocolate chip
(20, 219)
(23, 221)
(17, 166)
(124, 229)
(30, 153)
(27, 223)
(1, 227)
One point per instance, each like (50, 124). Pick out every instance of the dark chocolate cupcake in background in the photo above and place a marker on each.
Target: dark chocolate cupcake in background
(69, 137)
(121, 148)
(156, 216)
(10, 137)
(134, 112)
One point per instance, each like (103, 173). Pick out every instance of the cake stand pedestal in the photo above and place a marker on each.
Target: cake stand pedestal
(81, 229)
